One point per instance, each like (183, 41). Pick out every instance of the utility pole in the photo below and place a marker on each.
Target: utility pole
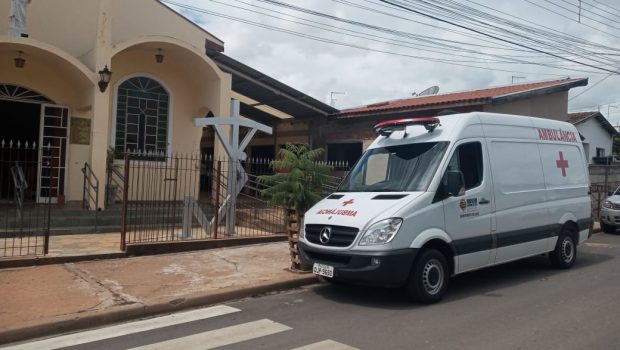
(332, 99)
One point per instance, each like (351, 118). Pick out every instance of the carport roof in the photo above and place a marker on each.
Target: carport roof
(267, 91)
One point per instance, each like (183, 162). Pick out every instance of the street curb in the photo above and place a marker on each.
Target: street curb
(131, 312)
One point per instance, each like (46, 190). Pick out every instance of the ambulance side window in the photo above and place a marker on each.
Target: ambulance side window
(468, 159)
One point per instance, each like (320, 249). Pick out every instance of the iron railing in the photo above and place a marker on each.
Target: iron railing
(21, 185)
(90, 188)
(115, 181)
(185, 197)
(90, 192)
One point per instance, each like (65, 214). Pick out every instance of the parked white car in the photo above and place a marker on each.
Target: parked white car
(436, 197)
(610, 212)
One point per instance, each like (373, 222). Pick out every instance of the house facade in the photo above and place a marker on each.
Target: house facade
(597, 135)
(346, 134)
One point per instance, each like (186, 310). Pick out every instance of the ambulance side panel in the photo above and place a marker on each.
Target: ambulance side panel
(521, 206)
(566, 181)
(566, 176)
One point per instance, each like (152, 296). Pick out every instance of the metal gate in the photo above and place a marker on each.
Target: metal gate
(24, 221)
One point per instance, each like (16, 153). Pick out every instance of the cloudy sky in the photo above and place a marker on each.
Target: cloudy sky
(374, 52)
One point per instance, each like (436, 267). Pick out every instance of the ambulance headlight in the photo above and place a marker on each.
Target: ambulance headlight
(607, 204)
(381, 232)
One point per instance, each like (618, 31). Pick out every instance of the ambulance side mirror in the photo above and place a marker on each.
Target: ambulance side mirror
(454, 183)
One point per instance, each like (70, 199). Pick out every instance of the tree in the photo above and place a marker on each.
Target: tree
(297, 186)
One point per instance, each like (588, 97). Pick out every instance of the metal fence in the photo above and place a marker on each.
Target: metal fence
(24, 216)
(186, 197)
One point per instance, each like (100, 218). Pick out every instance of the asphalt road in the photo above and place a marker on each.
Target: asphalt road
(521, 305)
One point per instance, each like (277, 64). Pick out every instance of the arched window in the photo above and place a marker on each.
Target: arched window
(142, 110)
(18, 93)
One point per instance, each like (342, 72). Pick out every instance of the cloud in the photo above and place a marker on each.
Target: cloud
(318, 68)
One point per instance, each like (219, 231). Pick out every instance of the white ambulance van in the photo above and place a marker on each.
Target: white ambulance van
(436, 197)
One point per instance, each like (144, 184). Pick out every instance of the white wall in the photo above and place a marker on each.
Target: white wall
(596, 137)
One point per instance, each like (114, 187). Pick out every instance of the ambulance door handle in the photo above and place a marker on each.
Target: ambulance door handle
(484, 201)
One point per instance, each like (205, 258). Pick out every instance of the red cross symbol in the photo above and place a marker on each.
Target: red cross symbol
(562, 164)
(345, 203)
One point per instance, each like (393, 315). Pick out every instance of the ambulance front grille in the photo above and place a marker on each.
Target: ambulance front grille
(341, 236)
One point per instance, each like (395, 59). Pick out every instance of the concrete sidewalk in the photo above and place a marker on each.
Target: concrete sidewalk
(50, 299)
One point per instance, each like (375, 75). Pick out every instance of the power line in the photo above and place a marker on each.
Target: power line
(583, 24)
(496, 37)
(315, 38)
(297, 8)
(572, 37)
(583, 15)
(615, 9)
(477, 37)
(507, 29)
(427, 40)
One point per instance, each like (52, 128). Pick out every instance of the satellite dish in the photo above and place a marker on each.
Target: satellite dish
(430, 91)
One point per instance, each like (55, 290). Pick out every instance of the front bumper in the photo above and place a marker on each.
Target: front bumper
(356, 267)
(610, 216)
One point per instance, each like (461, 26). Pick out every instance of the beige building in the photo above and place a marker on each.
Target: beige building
(50, 90)
(165, 71)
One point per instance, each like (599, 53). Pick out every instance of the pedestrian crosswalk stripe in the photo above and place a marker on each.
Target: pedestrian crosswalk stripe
(126, 328)
(326, 345)
(220, 337)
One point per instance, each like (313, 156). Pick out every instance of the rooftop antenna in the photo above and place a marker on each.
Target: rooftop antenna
(333, 100)
(512, 81)
(433, 90)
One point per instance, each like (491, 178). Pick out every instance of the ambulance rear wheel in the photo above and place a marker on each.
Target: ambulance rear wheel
(565, 252)
(429, 277)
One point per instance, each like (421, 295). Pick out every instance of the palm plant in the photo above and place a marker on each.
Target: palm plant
(297, 186)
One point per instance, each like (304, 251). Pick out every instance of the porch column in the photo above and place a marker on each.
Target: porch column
(101, 100)
(222, 109)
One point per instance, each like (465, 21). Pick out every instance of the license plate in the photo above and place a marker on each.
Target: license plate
(323, 270)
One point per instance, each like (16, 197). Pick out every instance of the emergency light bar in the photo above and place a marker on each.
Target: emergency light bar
(386, 128)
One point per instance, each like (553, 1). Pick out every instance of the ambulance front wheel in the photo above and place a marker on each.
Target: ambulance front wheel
(429, 277)
(565, 252)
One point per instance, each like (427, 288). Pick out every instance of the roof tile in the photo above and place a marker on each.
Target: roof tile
(481, 96)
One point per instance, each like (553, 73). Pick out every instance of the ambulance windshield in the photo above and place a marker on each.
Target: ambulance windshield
(402, 168)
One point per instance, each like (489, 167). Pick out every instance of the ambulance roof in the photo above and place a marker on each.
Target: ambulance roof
(480, 124)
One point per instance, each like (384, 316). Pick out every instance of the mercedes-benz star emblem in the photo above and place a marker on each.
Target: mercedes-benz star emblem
(325, 235)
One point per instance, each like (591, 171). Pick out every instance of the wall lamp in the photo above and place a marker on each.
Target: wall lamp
(159, 56)
(19, 60)
(104, 78)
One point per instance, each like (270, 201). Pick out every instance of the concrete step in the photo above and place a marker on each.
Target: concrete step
(73, 219)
